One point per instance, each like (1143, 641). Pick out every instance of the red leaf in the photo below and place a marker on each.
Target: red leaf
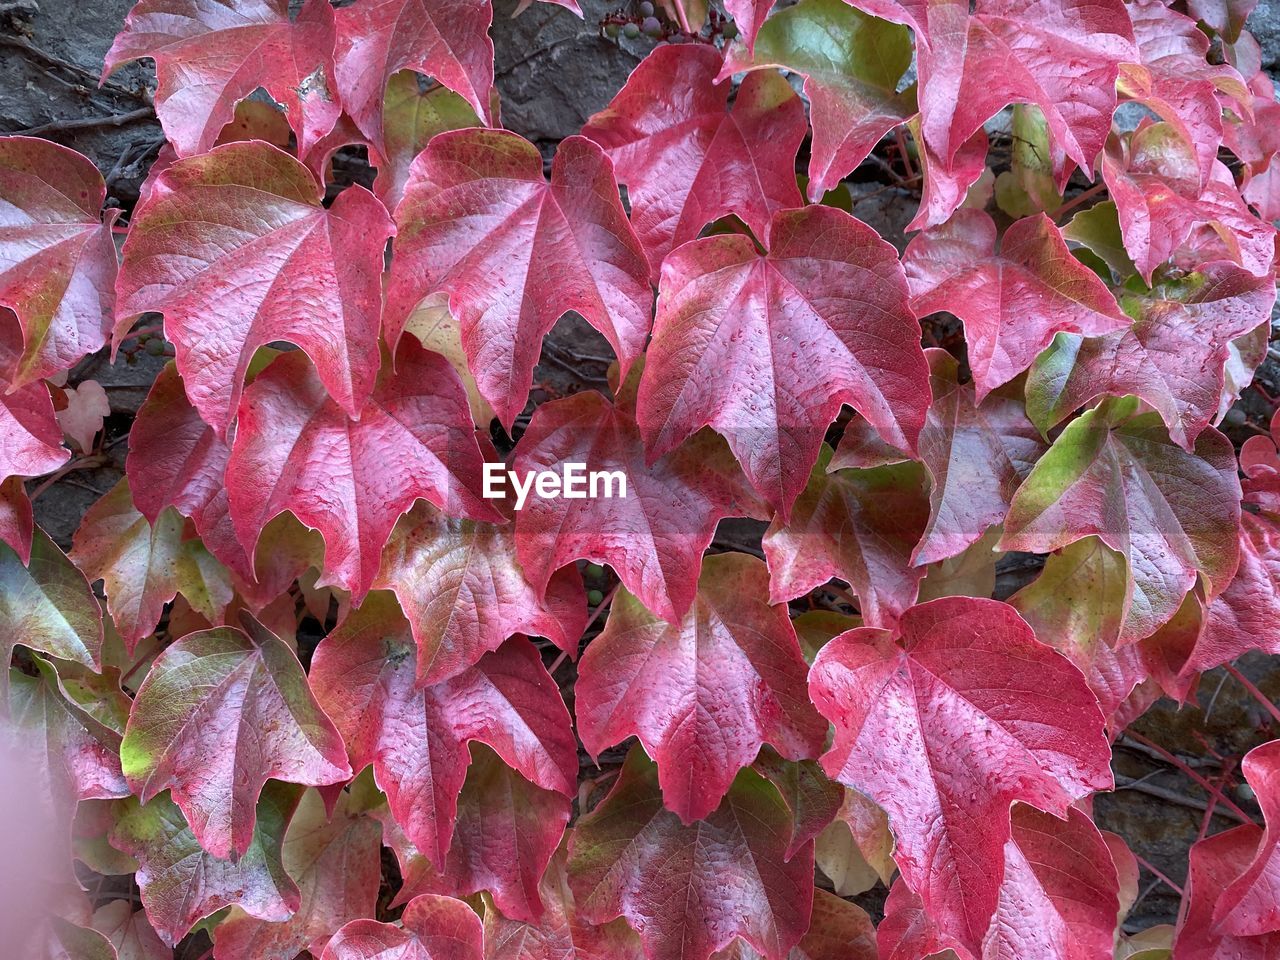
(17, 525)
(57, 258)
(851, 63)
(838, 930)
(858, 525)
(30, 435)
(814, 801)
(946, 185)
(464, 592)
(176, 460)
(1216, 862)
(687, 159)
(445, 39)
(416, 738)
(1240, 618)
(945, 723)
(629, 854)
(1013, 302)
(785, 323)
(654, 537)
(1250, 906)
(181, 884)
(1171, 513)
(703, 694)
(515, 253)
(337, 864)
(431, 928)
(976, 454)
(296, 450)
(210, 56)
(204, 699)
(236, 250)
(1173, 356)
(1154, 178)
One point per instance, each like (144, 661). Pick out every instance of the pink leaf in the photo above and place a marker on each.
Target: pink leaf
(431, 928)
(1239, 618)
(1217, 862)
(515, 253)
(944, 723)
(236, 250)
(30, 436)
(1250, 906)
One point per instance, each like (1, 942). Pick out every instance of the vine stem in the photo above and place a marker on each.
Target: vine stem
(140, 661)
(144, 332)
(1185, 768)
(1078, 199)
(1155, 872)
(595, 615)
(79, 463)
(1253, 691)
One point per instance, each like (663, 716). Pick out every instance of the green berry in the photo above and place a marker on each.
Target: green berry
(611, 30)
(1236, 417)
(595, 598)
(651, 27)
(729, 30)
(154, 346)
(631, 31)
(595, 571)
(646, 9)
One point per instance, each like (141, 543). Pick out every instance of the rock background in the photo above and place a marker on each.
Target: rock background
(553, 71)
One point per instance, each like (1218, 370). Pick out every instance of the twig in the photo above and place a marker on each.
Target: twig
(1253, 691)
(1078, 199)
(159, 645)
(1172, 796)
(1185, 768)
(18, 43)
(88, 123)
(80, 463)
(595, 615)
(907, 165)
(1151, 869)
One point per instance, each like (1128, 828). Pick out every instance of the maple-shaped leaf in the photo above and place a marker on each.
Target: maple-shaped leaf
(416, 737)
(86, 407)
(176, 460)
(411, 117)
(688, 159)
(1250, 906)
(30, 435)
(851, 63)
(1013, 302)
(1239, 618)
(181, 884)
(1225, 17)
(1173, 355)
(786, 323)
(431, 928)
(976, 454)
(437, 330)
(1171, 513)
(143, 565)
(297, 450)
(855, 851)
(46, 604)
(653, 537)
(444, 39)
(236, 250)
(628, 854)
(205, 698)
(838, 930)
(130, 932)
(859, 525)
(560, 933)
(1216, 863)
(75, 756)
(515, 253)
(464, 592)
(211, 55)
(944, 723)
(947, 186)
(702, 694)
(334, 857)
(1174, 78)
(57, 258)
(812, 799)
(1061, 55)
(1154, 178)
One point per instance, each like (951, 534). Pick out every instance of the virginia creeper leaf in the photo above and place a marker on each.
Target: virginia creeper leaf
(856, 848)
(688, 159)
(17, 524)
(236, 250)
(1239, 618)
(130, 932)
(431, 928)
(1226, 17)
(515, 252)
(654, 537)
(785, 323)
(1250, 906)
(1173, 355)
(57, 259)
(296, 450)
(211, 55)
(219, 713)
(944, 723)
(852, 64)
(416, 738)
(444, 39)
(838, 930)
(628, 854)
(464, 592)
(335, 861)
(81, 419)
(61, 940)
(702, 694)
(1173, 514)
(1011, 302)
(858, 525)
(812, 799)
(1216, 862)
(976, 453)
(181, 883)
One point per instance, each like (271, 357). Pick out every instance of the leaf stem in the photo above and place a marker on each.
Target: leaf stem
(1253, 691)
(1155, 872)
(1078, 199)
(79, 463)
(1185, 768)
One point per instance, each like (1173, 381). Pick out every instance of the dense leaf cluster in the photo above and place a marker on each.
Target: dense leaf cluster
(314, 456)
